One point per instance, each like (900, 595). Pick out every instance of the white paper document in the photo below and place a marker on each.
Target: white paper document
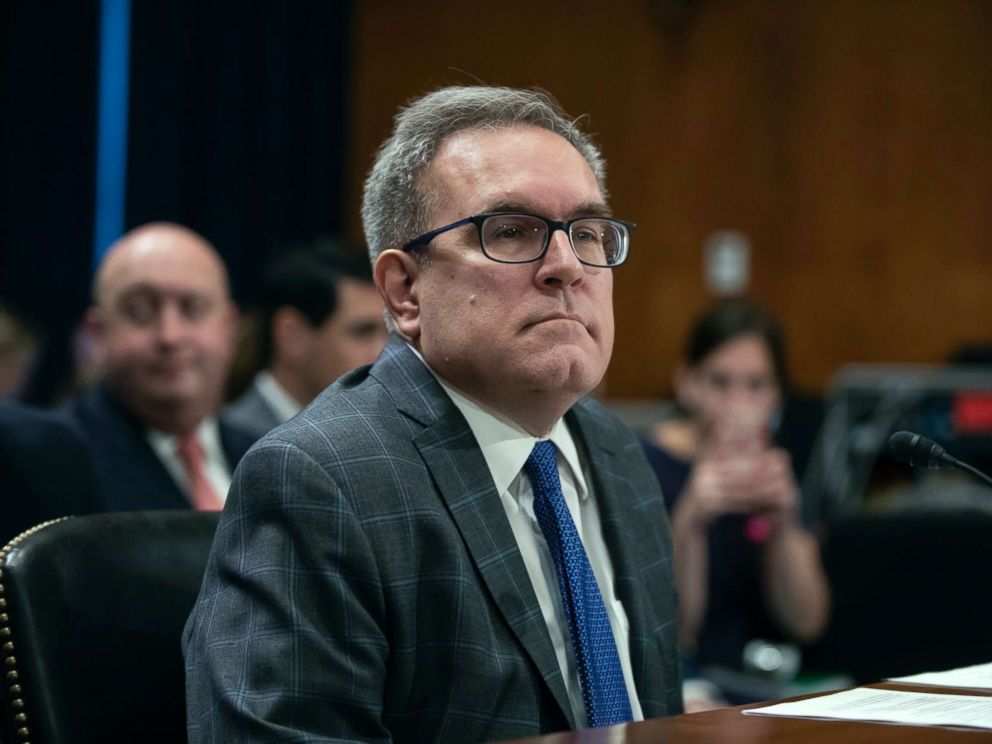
(978, 677)
(891, 706)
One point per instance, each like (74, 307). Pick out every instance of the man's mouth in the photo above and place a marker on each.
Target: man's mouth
(558, 317)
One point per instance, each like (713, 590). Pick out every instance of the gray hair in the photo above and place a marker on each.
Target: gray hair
(394, 210)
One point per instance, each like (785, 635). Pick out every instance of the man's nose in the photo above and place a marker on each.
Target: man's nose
(560, 266)
(171, 325)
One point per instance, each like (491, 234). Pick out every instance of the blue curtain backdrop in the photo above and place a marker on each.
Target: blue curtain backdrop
(236, 127)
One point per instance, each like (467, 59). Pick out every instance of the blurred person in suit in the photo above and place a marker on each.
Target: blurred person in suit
(319, 317)
(746, 565)
(45, 470)
(454, 544)
(164, 323)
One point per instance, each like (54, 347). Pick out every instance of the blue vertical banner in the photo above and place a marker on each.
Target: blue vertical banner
(112, 114)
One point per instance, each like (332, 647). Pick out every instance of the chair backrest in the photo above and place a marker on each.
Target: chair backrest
(93, 613)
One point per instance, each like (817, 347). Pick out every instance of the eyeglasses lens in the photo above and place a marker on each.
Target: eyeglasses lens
(521, 237)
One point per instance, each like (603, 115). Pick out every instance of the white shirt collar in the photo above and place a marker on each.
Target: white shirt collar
(276, 396)
(504, 444)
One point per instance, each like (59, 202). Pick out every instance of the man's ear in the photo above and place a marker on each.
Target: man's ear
(396, 273)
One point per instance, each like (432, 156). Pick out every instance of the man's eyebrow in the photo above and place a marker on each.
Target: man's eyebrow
(133, 290)
(586, 209)
(593, 209)
(142, 288)
(506, 206)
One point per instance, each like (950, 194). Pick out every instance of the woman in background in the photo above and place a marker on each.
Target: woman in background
(745, 565)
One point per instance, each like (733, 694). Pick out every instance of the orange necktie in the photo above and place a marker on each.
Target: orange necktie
(201, 494)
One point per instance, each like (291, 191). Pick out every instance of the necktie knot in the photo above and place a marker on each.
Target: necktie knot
(542, 467)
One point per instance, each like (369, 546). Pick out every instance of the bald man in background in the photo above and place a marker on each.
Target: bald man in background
(164, 326)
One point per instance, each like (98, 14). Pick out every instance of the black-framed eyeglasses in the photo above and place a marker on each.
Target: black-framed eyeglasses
(518, 237)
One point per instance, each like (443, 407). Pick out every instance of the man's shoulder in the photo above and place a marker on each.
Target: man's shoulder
(22, 425)
(45, 470)
(357, 413)
(236, 438)
(85, 402)
(250, 413)
(352, 448)
(94, 411)
(247, 402)
(32, 439)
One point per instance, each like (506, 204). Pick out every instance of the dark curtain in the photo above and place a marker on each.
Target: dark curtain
(48, 73)
(236, 128)
(237, 124)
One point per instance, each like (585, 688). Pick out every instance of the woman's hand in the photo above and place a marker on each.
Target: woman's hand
(746, 481)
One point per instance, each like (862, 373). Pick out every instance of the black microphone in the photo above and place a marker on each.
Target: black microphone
(919, 452)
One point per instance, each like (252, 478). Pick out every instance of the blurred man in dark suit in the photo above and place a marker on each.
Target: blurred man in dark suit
(320, 317)
(45, 471)
(164, 325)
(453, 544)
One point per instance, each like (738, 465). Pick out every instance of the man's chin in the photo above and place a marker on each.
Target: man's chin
(174, 396)
(175, 392)
(176, 412)
(568, 371)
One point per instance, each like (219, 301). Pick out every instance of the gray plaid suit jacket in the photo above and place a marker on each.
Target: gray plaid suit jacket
(365, 585)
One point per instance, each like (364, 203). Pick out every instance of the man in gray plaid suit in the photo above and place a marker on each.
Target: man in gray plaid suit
(378, 573)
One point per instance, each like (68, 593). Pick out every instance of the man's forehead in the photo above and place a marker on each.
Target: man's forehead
(161, 263)
(509, 166)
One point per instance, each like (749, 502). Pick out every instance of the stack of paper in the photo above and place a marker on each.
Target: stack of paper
(892, 706)
(978, 677)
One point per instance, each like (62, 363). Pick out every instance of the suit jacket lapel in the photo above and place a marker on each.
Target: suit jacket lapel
(459, 469)
(132, 474)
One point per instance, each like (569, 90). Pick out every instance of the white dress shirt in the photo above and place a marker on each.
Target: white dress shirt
(215, 466)
(284, 405)
(506, 448)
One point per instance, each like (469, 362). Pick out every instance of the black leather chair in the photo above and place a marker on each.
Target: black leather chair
(93, 613)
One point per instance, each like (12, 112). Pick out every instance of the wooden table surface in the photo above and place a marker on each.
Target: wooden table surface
(730, 726)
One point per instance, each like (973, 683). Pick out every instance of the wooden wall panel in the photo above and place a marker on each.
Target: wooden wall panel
(850, 140)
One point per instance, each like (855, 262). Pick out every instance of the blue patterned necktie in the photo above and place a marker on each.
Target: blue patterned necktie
(603, 689)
